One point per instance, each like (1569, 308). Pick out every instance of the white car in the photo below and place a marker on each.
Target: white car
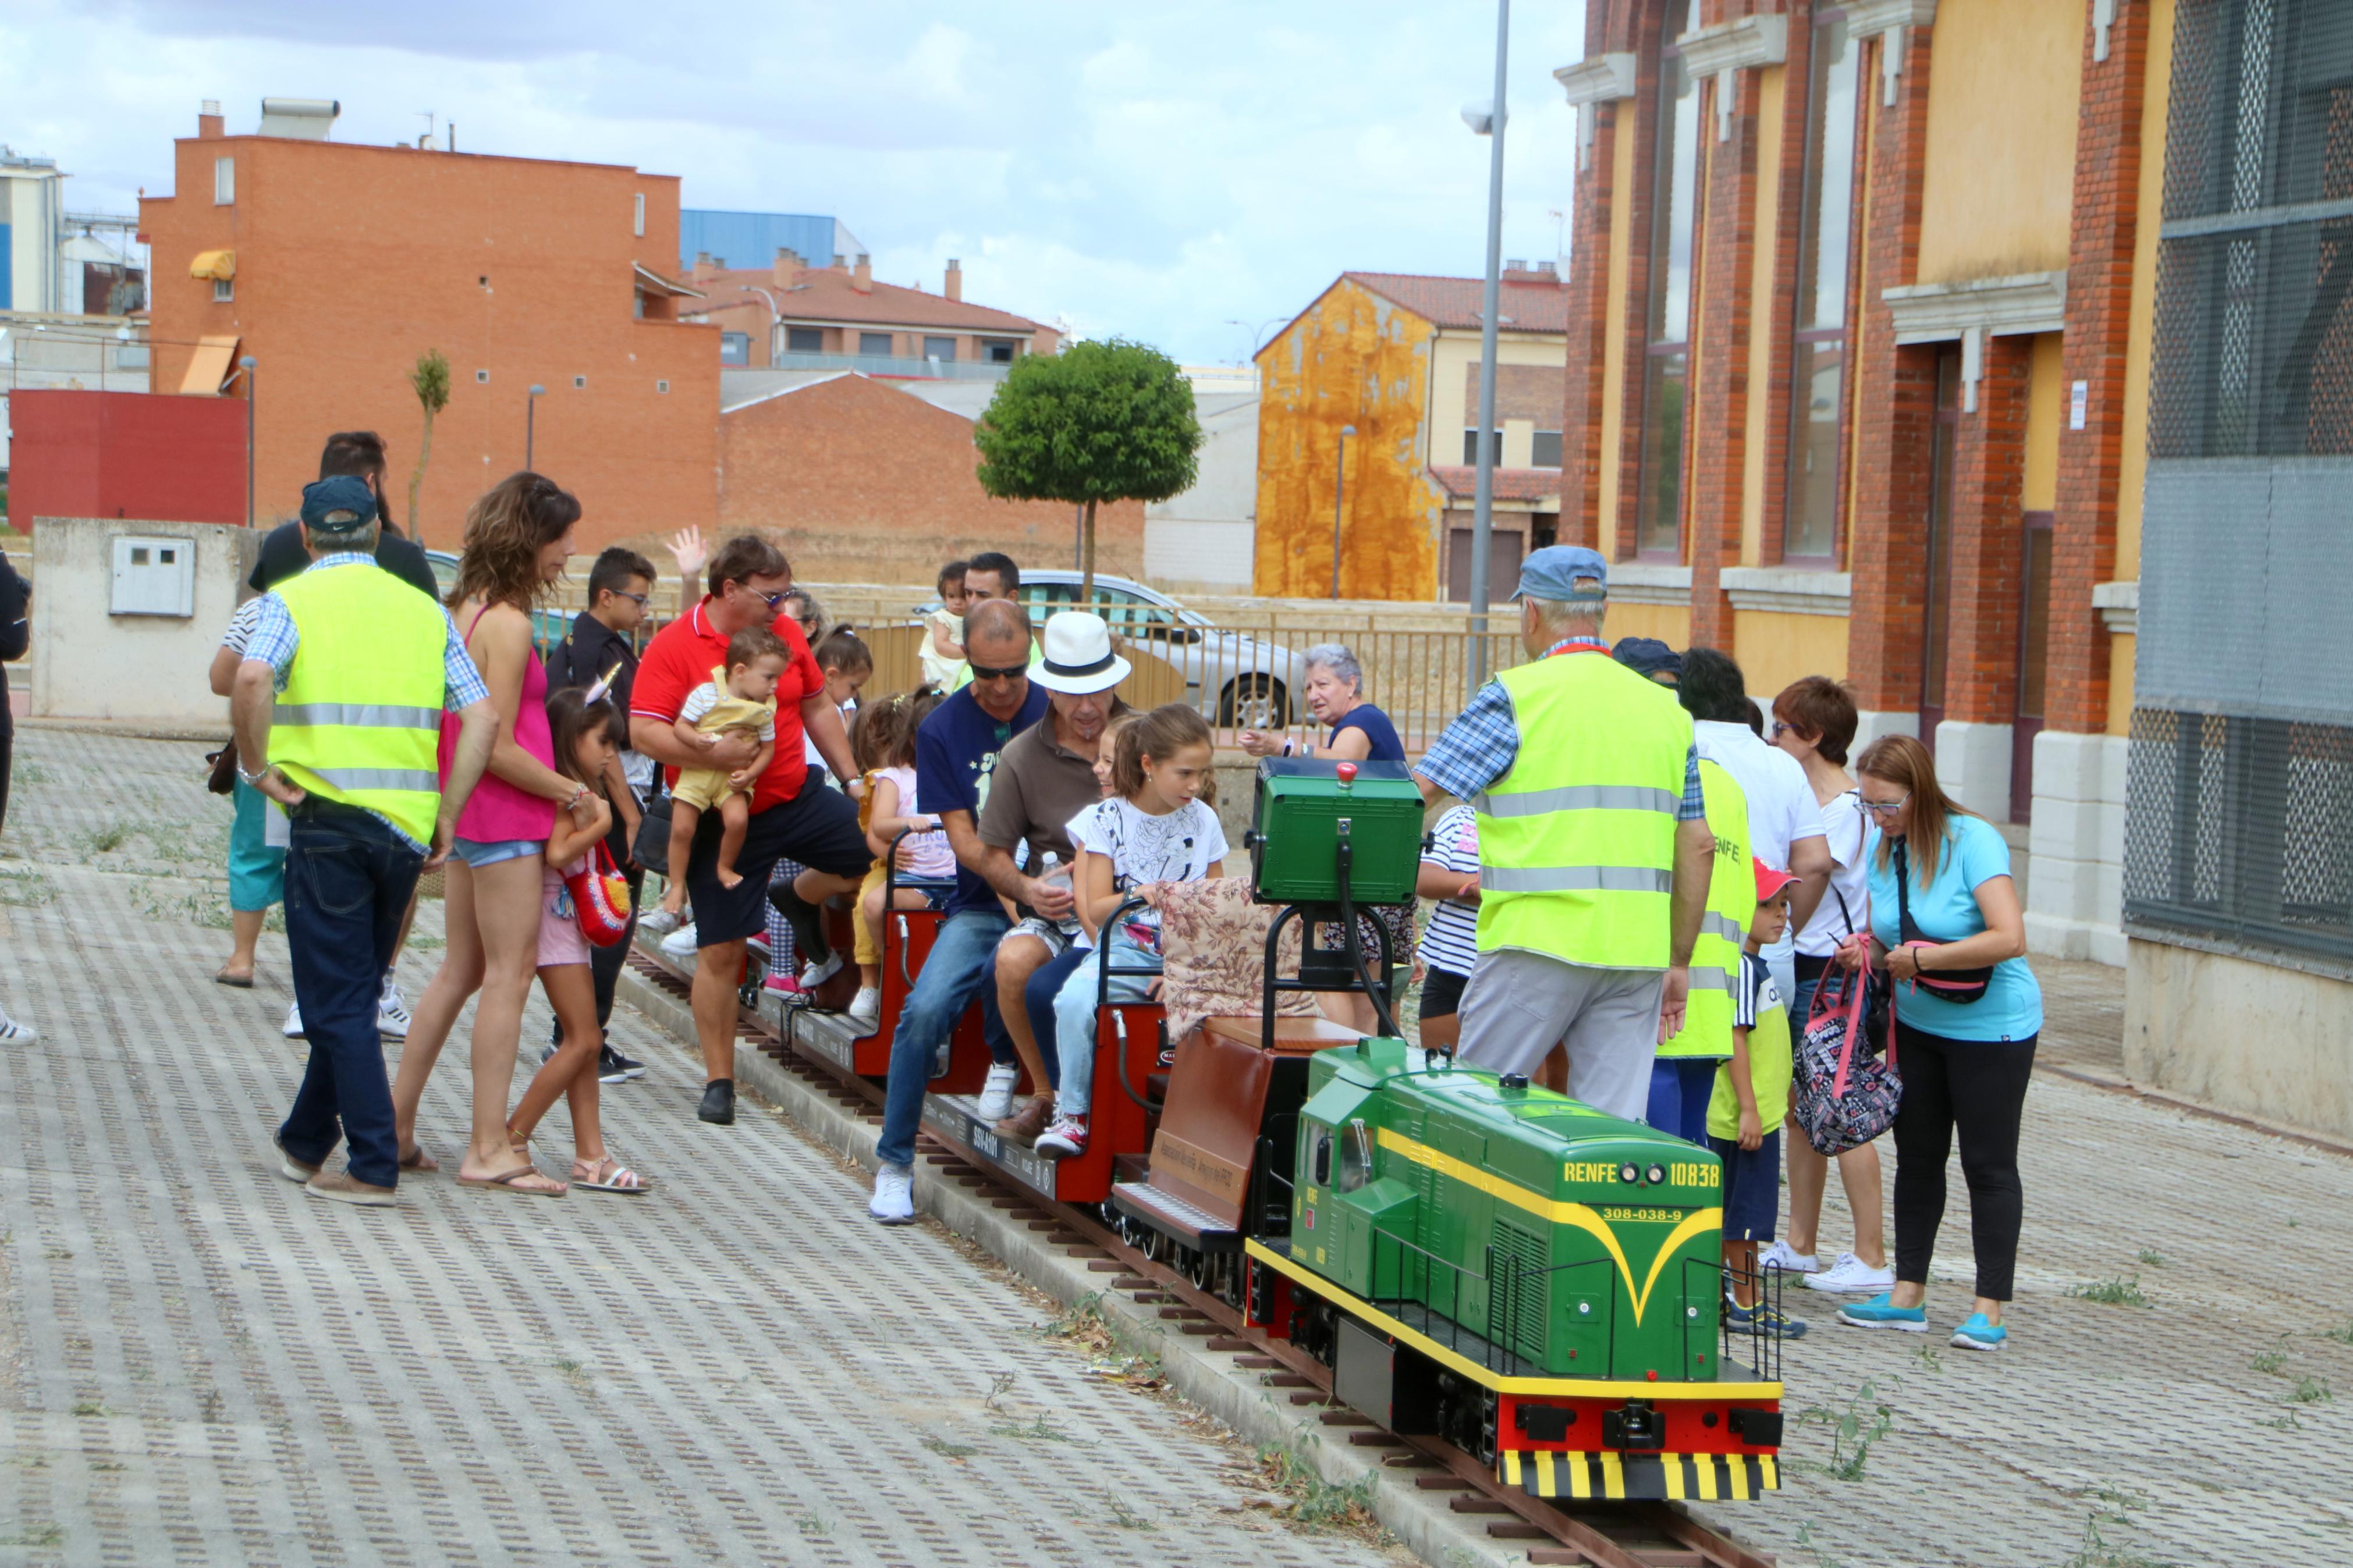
(1232, 678)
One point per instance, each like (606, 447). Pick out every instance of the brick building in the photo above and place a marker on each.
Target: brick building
(790, 315)
(1905, 338)
(335, 265)
(1397, 358)
(874, 480)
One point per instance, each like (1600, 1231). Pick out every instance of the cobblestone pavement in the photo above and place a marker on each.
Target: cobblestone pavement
(200, 1364)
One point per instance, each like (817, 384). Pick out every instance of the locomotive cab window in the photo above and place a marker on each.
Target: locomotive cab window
(1355, 1158)
(1323, 1158)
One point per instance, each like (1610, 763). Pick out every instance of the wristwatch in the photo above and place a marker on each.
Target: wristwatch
(253, 779)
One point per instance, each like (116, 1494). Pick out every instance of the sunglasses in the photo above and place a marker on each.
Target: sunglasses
(1886, 807)
(771, 600)
(995, 672)
(640, 600)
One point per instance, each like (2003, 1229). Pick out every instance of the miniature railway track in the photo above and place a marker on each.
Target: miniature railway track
(1605, 1535)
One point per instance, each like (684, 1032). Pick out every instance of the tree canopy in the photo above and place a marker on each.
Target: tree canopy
(1101, 421)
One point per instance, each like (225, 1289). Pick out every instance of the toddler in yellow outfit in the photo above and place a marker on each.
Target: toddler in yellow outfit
(740, 699)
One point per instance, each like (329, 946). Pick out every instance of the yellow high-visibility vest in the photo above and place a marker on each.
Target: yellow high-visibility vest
(1731, 905)
(1576, 841)
(359, 720)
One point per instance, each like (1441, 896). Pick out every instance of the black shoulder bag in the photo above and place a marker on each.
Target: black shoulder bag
(1948, 985)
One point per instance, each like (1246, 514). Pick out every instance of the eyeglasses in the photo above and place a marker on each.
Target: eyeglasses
(771, 600)
(1886, 807)
(640, 600)
(1780, 728)
(992, 672)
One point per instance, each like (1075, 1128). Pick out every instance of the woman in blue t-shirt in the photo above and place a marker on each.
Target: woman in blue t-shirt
(1965, 1064)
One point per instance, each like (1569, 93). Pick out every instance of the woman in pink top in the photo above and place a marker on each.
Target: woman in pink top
(517, 538)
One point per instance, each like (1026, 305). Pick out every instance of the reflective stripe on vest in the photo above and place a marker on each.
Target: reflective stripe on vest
(1577, 840)
(359, 720)
(1731, 905)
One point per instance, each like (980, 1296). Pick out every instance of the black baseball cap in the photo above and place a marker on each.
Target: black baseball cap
(1648, 655)
(342, 504)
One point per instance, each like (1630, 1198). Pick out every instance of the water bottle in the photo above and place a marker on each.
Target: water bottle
(1052, 871)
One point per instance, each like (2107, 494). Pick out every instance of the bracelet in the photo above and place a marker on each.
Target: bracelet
(1287, 745)
(253, 779)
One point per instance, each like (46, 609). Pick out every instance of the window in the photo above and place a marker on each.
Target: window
(999, 351)
(877, 343)
(805, 339)
(662, 386)
(1471, 447)
(131, 356)
(638, 225)
(2253, 319)
(1544, 453)
(939, 348)
(224, 182)
(579, 384)
(481, 378)
(1825, 263)
(224, 290)
(735, 348)
(1659, 514)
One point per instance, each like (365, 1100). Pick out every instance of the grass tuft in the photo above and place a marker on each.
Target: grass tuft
(1864, 1420)
(2118, 1293)
(1314, 1504)
(2309, 1390)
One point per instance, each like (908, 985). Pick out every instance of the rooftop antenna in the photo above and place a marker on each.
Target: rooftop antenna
(431, 121)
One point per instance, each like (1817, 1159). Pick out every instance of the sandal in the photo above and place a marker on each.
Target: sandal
(418, 1159)
(513, 1180)
(607, 1175)
(225, 978)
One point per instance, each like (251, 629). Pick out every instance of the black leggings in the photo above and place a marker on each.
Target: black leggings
(1980, 1087)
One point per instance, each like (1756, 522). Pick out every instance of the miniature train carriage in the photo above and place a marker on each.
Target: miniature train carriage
(1532, 1280)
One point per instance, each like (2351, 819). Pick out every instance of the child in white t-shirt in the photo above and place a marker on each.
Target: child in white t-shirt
(1155, 827)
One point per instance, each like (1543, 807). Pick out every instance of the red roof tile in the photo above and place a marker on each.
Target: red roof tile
(1461, 482)
(1527, 307)
(829, 294)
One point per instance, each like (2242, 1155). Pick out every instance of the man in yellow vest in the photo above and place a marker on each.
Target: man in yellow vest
(337, 707)
(1683, 1077)
(1594, 847)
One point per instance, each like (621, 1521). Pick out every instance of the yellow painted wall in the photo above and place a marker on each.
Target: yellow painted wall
(1454, 387)
(1776, 647)
(2046, 411)
(2133, 471)
(1351, 358)
(1762, 406)
(2120, 682)
(1671, 624)
(2000, 174)
(1613, 373)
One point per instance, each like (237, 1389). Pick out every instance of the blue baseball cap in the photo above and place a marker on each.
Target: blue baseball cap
(343, 504)
(1551, 573)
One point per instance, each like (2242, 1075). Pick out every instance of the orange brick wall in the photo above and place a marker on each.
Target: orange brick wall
(352, 260)
(1988, 469)
(869, 484)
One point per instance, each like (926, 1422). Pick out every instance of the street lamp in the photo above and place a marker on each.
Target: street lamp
(246, 364)
(1339, 490)
(1488, 120)
(529, 410)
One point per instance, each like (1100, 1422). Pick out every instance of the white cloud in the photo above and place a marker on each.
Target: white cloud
(1156, 172)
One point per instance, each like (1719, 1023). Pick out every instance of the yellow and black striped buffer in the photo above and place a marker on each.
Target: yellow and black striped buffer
(1675, 1478)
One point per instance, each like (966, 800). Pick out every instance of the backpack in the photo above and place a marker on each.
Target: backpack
(1847, 1089)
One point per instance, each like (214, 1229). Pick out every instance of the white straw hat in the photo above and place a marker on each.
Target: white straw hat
(1079, 657)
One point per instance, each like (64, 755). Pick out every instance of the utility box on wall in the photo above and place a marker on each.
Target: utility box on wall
(154, 576)
(127, 614)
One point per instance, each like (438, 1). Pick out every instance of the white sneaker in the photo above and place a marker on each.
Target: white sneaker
(1778, 1256)
(1066, 1139)
(997, 1094)
(658, 922)
(392, 1011)
(867, 1005)
(681, 944)
(294, 1022)
(815, 974)
(1851, 1274)
(13, 1033)
(893, 1202)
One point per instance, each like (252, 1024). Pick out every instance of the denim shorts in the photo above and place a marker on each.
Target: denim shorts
(479, 853)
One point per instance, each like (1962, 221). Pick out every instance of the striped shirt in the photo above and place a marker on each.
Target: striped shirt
(1450, 940)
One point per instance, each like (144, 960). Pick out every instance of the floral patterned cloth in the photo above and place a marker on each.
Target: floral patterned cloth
(1213, 949)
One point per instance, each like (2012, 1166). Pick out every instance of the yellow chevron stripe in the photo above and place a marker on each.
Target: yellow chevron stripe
(1737, 1473)
(1544, 1477)
(1581, 1216)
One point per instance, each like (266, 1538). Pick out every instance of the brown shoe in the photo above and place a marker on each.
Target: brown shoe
(344, 1189)
(1034, 1117)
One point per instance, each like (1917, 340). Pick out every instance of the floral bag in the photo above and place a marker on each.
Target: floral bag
(600, 897)
(1847, 1092)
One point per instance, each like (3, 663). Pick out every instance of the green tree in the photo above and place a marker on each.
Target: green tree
(1098, 422)
(430, 381)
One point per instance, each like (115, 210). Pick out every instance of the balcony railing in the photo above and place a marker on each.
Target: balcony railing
(892, 364)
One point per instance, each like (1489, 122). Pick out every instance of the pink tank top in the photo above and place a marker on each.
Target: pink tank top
(497, 811)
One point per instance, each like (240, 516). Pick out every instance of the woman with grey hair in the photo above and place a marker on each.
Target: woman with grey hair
(1335, 695)
(1359, 732)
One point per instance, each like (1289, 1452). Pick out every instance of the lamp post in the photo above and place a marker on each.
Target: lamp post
(246, 364)
(1488, 120)
(530, 412)
(1339, 493)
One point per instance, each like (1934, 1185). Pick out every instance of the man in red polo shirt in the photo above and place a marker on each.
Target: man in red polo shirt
(792, 816)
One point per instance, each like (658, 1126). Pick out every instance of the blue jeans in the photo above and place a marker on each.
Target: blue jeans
(1038, 1000)
(1074, 1016)
(348, 878)
(961, 964)
(1680, 1088)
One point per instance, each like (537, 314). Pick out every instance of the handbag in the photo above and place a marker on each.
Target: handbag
(1847, 1089)
(600, 897)
(1959, 985)
(651, 849)
(223, 779)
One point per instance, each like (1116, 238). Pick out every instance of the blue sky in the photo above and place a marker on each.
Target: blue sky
(1153, 171)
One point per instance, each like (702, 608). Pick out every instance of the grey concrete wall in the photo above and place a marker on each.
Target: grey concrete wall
(2250, 1038)
(146, 669)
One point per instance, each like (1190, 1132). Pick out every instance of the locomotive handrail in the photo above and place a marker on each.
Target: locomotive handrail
(1104, 970)
(891, 886)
